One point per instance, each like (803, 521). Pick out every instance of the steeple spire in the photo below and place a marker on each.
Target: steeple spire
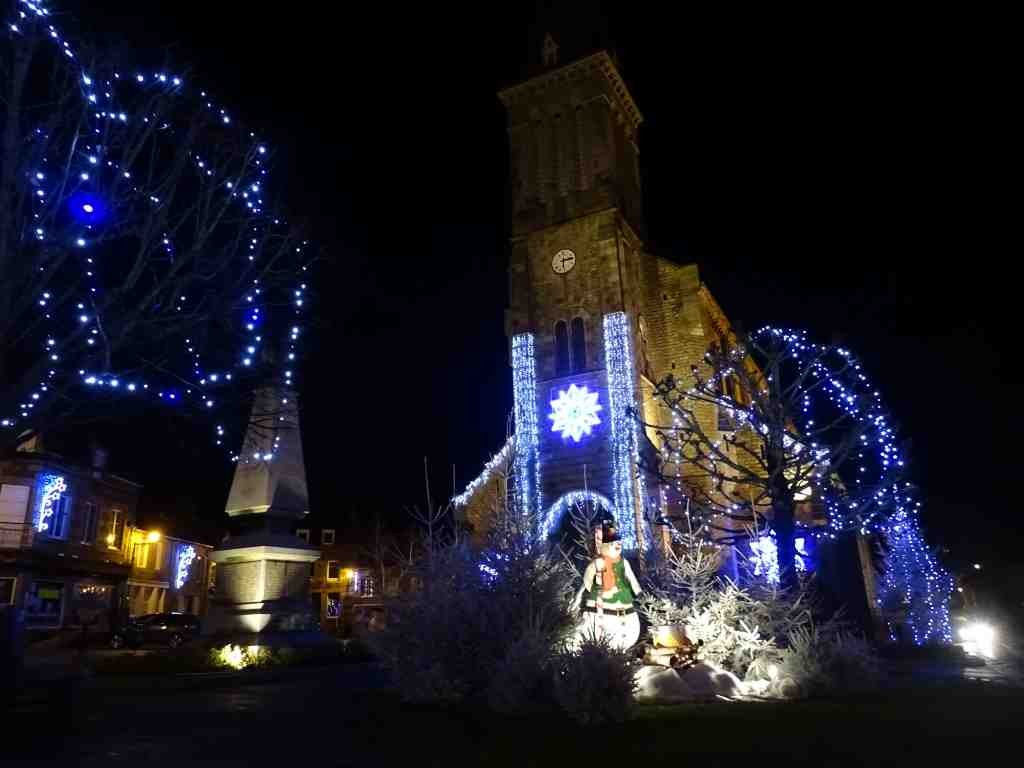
(549, 51)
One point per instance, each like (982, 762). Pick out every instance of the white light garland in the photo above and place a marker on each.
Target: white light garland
(566, 503)
(527, 458)
(625, 449)
(497, 461)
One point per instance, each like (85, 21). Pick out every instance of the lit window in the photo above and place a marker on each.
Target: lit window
(327, 536)
(303, 533)
(332, 570)
(116, 536)
(362, 583)
(333, 609)
(44, 604)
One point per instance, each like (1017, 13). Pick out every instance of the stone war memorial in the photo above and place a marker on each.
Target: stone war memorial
(263, 569)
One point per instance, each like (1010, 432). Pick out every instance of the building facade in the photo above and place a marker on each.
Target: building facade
(65, 541)
(594, 318)
(168, 574)
(346, 586)
(72, 555)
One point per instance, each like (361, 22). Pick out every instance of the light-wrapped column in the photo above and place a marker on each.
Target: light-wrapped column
(527, 456)
(625, 451)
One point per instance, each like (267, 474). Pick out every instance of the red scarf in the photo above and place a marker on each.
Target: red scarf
(608, 574)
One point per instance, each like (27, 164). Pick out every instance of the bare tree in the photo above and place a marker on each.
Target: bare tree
(139, 256)
(776, 432)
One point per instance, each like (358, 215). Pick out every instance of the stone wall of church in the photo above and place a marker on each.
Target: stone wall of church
(593, 288)
(572, 153)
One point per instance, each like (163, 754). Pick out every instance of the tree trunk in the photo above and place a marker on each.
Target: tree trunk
(784, 525)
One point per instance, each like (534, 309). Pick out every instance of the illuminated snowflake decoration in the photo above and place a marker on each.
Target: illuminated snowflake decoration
(574, 413)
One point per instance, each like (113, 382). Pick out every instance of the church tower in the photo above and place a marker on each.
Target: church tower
(594, 318)
(575, 289)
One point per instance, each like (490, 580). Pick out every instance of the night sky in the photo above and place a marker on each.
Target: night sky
(843, 174)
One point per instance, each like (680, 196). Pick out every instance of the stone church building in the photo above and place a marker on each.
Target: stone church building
(594, 318)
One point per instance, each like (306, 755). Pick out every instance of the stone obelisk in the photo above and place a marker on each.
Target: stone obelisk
(263, 569)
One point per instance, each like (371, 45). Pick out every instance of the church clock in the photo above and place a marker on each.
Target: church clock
(563, 261)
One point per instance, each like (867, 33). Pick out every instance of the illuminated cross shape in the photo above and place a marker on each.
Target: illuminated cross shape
(574, 413)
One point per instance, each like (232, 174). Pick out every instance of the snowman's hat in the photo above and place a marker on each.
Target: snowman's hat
(609, 533)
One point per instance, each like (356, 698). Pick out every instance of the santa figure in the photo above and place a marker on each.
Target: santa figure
(609, 589)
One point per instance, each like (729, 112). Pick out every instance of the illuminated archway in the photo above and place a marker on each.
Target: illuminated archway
(553, 517)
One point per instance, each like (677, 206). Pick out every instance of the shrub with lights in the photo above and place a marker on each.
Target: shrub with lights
(140, 255)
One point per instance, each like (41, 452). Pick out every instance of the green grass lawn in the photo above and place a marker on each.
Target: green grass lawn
(332, 716)
(913, 726)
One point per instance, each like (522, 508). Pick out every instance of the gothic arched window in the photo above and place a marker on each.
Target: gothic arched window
(579, 345)
(561, 348)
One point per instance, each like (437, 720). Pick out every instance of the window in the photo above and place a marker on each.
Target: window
(579, 345)
(59, 520)
(327, 536)
(13, 514)
(7, 591)
(115, 538)
(561, 348)
(44, 603)
(141, 555)
(13, 504)
(303, 533)
(333, 605)
(89, 523)
(362, 583)
(332, 570)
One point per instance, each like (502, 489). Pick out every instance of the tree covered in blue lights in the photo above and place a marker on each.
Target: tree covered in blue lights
(140, 255)
(778, 436)
(915, 589)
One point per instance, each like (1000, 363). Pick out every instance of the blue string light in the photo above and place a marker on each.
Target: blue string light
(97, 188)
(836, 403)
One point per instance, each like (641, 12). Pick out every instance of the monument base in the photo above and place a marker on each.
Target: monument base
(262, 588)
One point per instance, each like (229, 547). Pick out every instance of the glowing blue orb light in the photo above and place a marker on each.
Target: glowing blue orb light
(574, 413)
(87, 208)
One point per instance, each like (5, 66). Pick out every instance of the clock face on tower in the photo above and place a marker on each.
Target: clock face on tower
(563, 261)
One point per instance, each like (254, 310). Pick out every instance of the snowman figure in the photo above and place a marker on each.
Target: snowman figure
(609, 589)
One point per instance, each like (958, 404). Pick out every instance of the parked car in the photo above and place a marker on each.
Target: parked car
(170, 629)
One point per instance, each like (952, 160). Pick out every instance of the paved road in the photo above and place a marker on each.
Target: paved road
(243, 725)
